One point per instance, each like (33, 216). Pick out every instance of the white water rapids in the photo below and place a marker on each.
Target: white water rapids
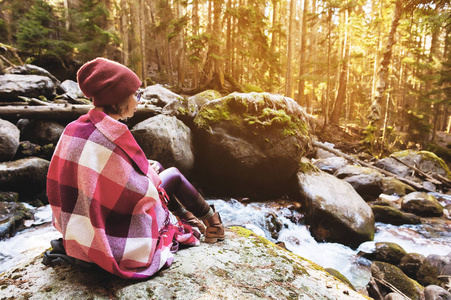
(413, 238)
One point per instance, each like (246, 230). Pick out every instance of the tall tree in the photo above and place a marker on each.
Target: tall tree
(343, 78)
(303, 54)
(375, 113)
(290, 46)
(214, 70)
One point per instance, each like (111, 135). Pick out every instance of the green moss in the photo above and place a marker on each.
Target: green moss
(426, 155)
(433, 157)
(307, 167)
(182, 111)
(255, 110)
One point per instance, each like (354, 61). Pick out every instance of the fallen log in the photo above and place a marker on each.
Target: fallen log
(413, 184)
(63, 111)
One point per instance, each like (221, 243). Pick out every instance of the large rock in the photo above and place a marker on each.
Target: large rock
(335, 212)
(71, 92)
(366, 181)
(435, 270)
(393, 186)
(187, 109)
(160, 96)
(426, 161)
(9, 140)
(251, 144)
(32, 86)
(28, 69)
(387, 275)
(26, 176)
(41, 132)
(244, 266)
(435, 292)
(330, 164)
(167, 140)
(392, 215)
(12, 218)
(410, 264)
(387, 252)
(422, 204)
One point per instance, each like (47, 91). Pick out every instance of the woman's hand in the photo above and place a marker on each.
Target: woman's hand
(155, 165)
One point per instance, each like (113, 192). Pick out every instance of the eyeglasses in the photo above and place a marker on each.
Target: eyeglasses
(138, 96)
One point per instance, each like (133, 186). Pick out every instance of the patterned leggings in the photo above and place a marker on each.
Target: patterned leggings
(186, 195)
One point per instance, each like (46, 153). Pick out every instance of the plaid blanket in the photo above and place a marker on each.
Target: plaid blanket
(107, 200)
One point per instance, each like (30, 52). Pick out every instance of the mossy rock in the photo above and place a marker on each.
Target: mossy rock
(422, 204)
(250, 144)
(393, 186)
(427, 162)
(387, 274)
(391, 215)
(411, 263)
(434, 267)
(9, 196)
(387, 252)
(340, 276)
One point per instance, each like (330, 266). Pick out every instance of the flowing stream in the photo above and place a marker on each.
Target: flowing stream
(261, 218)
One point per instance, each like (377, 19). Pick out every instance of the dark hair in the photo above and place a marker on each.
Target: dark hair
(116, 109)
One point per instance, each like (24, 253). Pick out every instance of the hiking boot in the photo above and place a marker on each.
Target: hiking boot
(192, 220)
(215, 230)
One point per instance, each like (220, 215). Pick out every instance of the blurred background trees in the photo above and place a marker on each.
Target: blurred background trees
(336, 58)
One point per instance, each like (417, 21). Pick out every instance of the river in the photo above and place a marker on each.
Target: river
(429, 238)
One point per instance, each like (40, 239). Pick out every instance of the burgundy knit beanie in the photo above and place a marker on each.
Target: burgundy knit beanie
(107, 81)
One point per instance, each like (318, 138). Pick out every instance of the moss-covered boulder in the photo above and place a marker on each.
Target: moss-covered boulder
(12, 218)
(394, 216)
(393, 186)
(387, 252)
(251, 144)
(426, 161)
(410, 264)
(436, 269)
(334, 210)
(422, 204)
(387, 278)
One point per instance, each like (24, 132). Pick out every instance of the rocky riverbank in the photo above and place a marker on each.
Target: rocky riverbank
(257, 146)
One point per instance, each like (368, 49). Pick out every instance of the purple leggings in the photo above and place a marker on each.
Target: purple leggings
(175, 184)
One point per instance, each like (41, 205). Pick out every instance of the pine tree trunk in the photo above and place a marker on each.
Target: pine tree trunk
(143, 42)
(273, 44)
(124, 33)
(313, 56)
(375, 113)
(301, 87)
(291, 29)
(329, 48)
(181, 51)
(343, 81)
(66, 14)
(195, 30)
(214, 69)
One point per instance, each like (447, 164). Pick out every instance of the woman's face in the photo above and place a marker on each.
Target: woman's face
(132, 104)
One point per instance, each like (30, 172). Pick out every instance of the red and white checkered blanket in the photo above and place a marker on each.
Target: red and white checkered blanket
(107, 202)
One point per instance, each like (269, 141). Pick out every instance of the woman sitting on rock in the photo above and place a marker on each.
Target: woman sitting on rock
(108, 202)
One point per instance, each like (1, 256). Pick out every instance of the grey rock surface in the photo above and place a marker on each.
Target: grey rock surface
(244, 266)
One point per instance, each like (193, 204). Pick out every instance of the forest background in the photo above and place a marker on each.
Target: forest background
(381, 66)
